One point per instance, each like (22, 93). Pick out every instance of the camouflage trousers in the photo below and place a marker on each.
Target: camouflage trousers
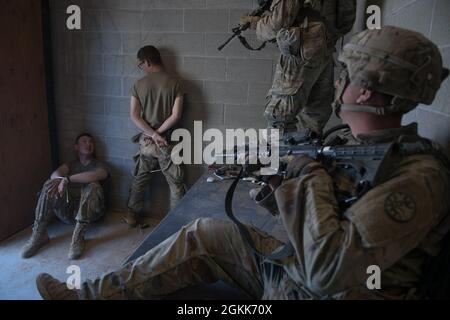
(301, 100)
(147, 160)
(203, 252)
(84, 204)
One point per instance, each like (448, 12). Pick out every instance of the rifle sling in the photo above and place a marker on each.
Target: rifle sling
(287, 249)
(248, 46)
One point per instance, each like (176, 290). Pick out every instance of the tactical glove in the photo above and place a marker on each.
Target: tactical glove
(249, 19)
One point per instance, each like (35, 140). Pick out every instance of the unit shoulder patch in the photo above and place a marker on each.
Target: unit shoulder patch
(400, 206)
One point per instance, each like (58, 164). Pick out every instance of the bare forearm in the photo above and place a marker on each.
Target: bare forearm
(88, 177)
(168, 124)
(62, 171)
(143, 126)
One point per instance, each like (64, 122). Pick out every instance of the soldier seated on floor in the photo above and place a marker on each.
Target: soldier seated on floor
(74, 193)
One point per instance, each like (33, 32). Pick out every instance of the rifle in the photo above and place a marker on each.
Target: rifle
(364, 163)
(258, 12)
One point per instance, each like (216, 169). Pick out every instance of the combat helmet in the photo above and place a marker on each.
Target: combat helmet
(398, 62)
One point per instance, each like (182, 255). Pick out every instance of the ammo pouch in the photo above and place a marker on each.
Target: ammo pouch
(309, 41)
(266, 199)
(313, 40)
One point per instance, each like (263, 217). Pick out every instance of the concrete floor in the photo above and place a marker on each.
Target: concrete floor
(109, 243)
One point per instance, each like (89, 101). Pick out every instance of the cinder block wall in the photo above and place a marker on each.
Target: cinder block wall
(95, 67)
(431, 18)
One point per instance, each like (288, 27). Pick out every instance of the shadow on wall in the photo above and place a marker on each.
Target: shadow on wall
(192, 109)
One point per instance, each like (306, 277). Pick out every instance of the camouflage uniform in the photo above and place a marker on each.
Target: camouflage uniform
(85, 204)
(302, 90)
(147, 160)
(82, 204)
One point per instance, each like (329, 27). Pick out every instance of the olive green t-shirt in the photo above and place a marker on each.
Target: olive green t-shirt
(76, 167)
(157, 93)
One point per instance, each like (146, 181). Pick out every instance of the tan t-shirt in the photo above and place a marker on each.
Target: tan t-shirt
(157, 93)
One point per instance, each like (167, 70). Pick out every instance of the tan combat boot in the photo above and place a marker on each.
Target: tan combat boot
(77, 245)
(52, 289)
(131, 219)
(38, 239)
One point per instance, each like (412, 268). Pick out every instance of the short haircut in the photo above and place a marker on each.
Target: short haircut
(150, 54)
(81, 135)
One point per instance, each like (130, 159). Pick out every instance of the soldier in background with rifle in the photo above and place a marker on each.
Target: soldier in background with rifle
(397, 225)
(302, 90)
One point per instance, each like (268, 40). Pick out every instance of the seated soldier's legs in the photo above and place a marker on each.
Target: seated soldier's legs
(92, 203)
(317, 110)
(45, 208)
(91, 209)
(205, 251)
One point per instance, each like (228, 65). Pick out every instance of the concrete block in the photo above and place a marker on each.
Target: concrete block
(209, 113)
(88, 105)
(234, 49)
(393, 6)
(257, 93)
(94, 64)
(205, 20)
(113, 65)
(106, 85)
(122, 21)
(238, 116)
(132, 42)
(173, 64)
(249, 70)
(193, 90)
(127, 84)
(204, 68)
(416, 16)
(173, 4)
(119, 147)
(441, 23)
(117, 106)
(115, 166)
(226, 92)
(115, 126)
(103, 42)
(114, 4)
(230, 4)
(176, 44)
(91, 20)
(163, 20)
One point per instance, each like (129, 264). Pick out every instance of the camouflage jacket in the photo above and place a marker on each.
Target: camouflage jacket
(396, 226)
(339, 15)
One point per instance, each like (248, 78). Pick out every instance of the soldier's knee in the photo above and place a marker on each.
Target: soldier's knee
(207, 228)
(94, 188)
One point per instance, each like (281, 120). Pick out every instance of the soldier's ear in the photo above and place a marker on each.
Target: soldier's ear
(364, 96)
